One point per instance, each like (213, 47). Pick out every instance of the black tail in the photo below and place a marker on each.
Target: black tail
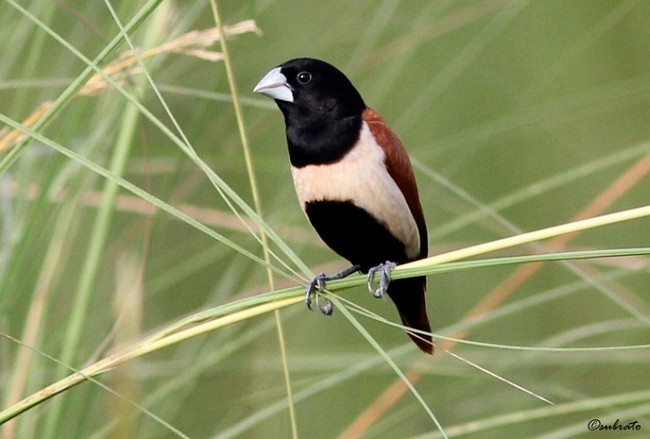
(408, 295)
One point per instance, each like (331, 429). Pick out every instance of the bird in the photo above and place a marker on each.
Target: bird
(355, 183)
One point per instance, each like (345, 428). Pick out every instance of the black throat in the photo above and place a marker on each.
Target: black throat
(319, 141)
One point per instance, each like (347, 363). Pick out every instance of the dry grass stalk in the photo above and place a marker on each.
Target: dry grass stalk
(195, 43)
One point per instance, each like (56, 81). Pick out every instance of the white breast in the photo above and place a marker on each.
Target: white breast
(361, 177)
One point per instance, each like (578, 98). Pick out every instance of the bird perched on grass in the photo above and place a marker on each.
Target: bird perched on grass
(355, 183)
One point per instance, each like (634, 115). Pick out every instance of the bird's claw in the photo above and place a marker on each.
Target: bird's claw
(384, 280)
(315, 287)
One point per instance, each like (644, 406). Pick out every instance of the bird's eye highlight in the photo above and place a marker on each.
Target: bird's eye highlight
(303, 77)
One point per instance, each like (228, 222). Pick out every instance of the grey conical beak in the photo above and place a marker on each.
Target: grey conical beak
(274, 84)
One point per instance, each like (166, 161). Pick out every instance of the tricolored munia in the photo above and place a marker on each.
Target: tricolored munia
(355, 183)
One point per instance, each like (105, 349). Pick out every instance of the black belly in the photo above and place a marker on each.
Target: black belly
(354, 234)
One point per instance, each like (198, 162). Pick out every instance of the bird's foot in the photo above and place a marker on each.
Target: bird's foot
(316, 287)
(384, 280)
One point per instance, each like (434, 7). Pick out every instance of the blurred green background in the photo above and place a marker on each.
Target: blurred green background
(517, 115)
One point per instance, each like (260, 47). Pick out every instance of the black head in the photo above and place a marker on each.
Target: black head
(310, 88)
(321, 108)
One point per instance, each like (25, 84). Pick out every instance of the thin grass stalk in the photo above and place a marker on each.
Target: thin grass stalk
(250, 170)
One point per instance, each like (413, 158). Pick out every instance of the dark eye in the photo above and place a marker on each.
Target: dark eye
(303, 77)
